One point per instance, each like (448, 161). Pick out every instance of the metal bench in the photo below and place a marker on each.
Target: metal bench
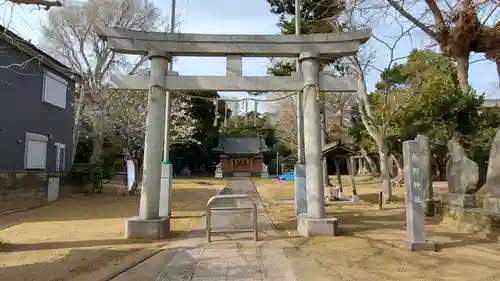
(253, 210)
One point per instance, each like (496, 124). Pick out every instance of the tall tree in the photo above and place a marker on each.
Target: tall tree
(460, 27)
(69, 35)
(378, 119)
(439, 109)
(316, 16)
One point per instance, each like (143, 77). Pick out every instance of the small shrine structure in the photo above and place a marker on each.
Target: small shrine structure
(242, 156)
(343, 156)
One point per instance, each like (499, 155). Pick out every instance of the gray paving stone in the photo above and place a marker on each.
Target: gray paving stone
(223, 259)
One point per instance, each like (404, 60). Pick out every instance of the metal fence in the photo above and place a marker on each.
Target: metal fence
(252, 209)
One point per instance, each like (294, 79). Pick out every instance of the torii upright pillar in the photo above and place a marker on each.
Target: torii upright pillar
(314, 223)
(148, 224)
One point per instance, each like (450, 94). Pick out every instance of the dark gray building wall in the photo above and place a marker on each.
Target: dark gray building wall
(22, 110)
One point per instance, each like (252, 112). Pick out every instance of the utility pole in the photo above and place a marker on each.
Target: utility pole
(165, 206)
(299, 99)
(168, 104)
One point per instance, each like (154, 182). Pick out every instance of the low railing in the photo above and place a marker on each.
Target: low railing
(209, 210)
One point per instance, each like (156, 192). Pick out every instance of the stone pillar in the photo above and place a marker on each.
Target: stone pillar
(416, 175)
(155, 129)
(148, 224)
(312, 137)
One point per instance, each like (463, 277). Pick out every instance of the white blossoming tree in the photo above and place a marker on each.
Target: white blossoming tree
(125, 122)
(125, 119)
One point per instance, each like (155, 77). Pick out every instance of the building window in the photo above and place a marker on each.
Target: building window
(60, 157)
(55, 89)
(35, 151)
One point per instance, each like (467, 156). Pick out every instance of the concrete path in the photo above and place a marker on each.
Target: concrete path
(234, 257)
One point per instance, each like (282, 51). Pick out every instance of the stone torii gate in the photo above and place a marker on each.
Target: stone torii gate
(161, 47)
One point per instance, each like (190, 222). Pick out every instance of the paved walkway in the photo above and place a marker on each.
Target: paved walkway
(234, 257)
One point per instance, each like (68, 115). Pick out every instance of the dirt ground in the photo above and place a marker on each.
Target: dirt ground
(81, 234)
(371, 243)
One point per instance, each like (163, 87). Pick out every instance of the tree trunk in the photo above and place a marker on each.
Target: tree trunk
(337, 171)
(323, 143)
(350, 168)
(371, 164)
(136, 172)
(390, 163)
(463, 73)
(325, 172)
(384, 172)
(77, 122)
(97, 139)
(399, 164)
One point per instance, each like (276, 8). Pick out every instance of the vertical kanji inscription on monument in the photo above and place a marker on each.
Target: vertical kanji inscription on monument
(416, 179)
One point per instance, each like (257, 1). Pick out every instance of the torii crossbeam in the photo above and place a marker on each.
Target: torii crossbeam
(174, 82)
(326, 45)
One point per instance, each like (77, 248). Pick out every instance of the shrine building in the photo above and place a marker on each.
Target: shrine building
(241, 156)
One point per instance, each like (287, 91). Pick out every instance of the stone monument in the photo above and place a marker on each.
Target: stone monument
(265, 172)
(492, 199)
(218, 171)
(462, 174)
(426, 162)
(416, 175)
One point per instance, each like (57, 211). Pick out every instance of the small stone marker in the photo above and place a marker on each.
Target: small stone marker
(416, 175)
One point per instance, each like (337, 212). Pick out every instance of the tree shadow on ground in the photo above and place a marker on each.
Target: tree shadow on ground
(288, 223)
(379, 251)
(108, 205)
(24, 247)
(354, 222)
(370, 179)
(462, 240)
(74, 263)
(373, 198)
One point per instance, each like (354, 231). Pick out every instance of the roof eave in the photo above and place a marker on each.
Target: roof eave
(32, 50)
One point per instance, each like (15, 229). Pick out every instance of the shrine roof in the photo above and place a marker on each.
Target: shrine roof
(338, 149)
(241, 145)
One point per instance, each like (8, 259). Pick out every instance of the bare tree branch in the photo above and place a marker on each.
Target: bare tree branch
(69, 34)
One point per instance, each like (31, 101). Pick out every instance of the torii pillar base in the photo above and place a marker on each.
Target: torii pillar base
(153, 229)
(316, 227)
